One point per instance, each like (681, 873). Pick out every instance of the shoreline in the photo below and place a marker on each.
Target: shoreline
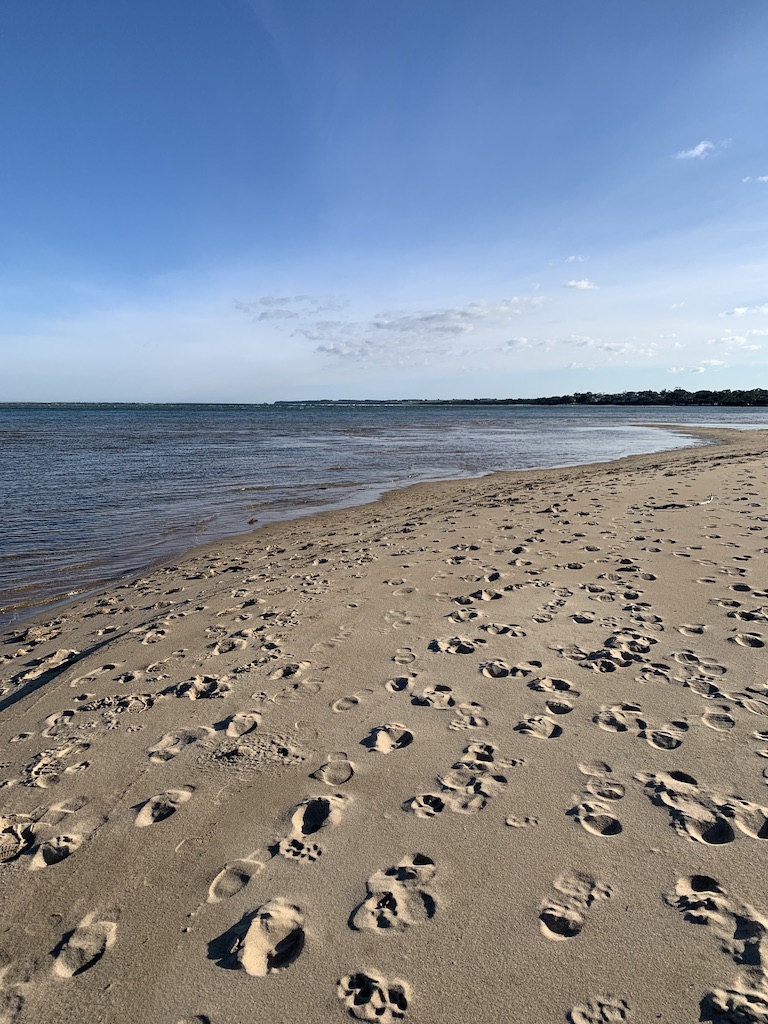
(16, 617)
(476, 750)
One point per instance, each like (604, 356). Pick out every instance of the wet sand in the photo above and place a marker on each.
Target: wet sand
(488, 750)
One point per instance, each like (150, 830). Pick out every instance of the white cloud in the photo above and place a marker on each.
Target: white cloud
(575, 259)
(703, 366)
(584, 284)
(405, 338)
(676, 305)
(277, 314)
(738, 340)
(761, 178)
(701, 150)
(746, 310)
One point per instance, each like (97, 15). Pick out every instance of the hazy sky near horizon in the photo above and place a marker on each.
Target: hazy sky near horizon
(251, 200)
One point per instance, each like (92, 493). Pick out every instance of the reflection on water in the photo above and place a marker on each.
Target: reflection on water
(89, 493)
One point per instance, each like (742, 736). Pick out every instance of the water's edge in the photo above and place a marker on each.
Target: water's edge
(17, 618)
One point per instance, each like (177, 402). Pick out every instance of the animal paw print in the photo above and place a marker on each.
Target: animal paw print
(607, 1009)
(370, 997)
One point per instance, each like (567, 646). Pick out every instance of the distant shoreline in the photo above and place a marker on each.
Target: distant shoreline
(755, 398)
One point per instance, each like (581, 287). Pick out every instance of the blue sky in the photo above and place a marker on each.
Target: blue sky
(252, 200)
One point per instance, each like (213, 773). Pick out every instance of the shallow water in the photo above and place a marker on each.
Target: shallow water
(91, 493)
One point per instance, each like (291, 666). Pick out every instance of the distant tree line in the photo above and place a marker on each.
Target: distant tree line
(678, 396)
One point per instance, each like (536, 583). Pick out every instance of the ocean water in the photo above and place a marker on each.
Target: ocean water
(89, 494)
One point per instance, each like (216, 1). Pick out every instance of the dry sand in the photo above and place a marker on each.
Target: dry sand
(489, 751)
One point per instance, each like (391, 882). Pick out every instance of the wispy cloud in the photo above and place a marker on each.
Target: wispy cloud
(278, 307)
(746, 310)
(576, 259)
(409, 337)
(278, 314)
(583, 284)
(700, 151)
(702, 367)
(761, 178)
(738, 341)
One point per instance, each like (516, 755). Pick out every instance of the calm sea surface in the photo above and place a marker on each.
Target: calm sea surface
(91, 493)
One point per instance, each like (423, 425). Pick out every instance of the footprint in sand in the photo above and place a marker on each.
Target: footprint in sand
(486, 595)
(204, 688)
(354, 700)
(334, 772)
(400, 684)
(698, 813)
(234, 877)
(263, 942)
(16, 836)
(503, 629)
(440, 697)
(404, 656)
(513, 822)
(753, 640)
(564, 914)
(464, 615)
(617, 717)
(172, 743)
(54, 724)
(700, 666)
(229, 645)
(540, 726)
(242, 723)
(310, 816)
(426, 805)
(316, 812)
(691, 629)
(545, 684)
(294, 668)
(153, 636)
(668, 737)
(500, 669)
(470, 716)
(374, 998)
(93, 677)
(703, 687)
(742, 933)
(606, 1009)
(456, 645)
(468, 785)
(596, 818)
(52, 851)
(719, 720)
(605, 789)
(383, 739)
(398, 897)
(558, 706)
(162, 806)
(87, 944)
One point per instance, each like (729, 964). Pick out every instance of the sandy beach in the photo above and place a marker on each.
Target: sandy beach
(491, 750)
